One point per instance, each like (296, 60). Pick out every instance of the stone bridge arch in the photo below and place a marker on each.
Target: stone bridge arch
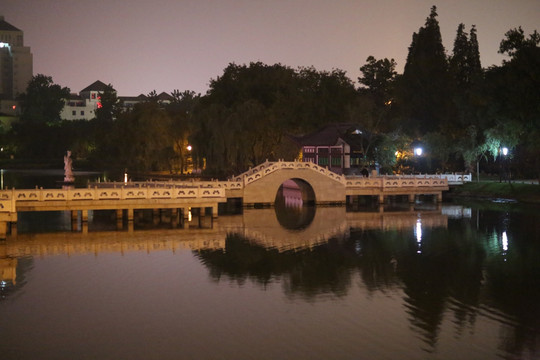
(262, 185)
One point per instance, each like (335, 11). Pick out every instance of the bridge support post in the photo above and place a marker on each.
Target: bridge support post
(84, 216)
(174, 218)
(74, 219)
(156, 216)
(215, 211)
(119, 220)
(119, 214)
(130, 215)
(411, 198)
(3, 230)
(381, 199)
(438, 197)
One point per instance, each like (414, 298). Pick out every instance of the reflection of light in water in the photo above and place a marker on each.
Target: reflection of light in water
(418, 233)
(504, 241)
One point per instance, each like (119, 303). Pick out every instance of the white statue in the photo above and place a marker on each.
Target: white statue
(68, 169)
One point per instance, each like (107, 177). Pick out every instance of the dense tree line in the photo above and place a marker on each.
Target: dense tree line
(461, 113)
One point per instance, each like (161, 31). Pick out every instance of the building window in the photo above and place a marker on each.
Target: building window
(323, 161)
(336, 161)
(82, 112)
(73, 112)
(93, 96)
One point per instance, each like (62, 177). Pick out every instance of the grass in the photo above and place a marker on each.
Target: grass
(521, 192)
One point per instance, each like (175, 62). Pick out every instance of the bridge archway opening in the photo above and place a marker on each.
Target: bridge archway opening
(295, 204)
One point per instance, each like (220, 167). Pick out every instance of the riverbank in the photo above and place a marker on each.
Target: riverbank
(526, 193)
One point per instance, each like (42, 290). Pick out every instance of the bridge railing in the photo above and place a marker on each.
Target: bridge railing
(214, 184)
(395, 182)
(9, 197)
(267, 168)
(453, 178)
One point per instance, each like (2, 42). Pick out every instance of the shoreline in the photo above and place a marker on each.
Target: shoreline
(486, 190)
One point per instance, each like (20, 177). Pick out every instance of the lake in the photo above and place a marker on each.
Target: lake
(457, 281)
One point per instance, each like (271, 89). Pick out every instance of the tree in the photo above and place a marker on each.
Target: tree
(182, 128)
(424, 88)
(467, 76)
(141, 139)
(247, 111)
(43, 100)
(378, 76)
(515, 41)
(109, 107)
(37, 133)
(513, 94)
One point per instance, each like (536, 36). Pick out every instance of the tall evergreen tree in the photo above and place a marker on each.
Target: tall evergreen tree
(474, 54)
(425, 85)
(466, 73)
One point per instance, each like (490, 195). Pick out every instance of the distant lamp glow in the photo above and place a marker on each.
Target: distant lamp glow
(418, 151)
(125, 178)
(505, 151)
(504, 241)
(189, 148)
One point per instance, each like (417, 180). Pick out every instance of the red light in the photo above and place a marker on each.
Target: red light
(14, 107)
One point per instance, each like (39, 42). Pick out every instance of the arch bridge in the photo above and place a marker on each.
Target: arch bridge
(257, 186)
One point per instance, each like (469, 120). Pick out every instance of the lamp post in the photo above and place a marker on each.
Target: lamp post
(503, 152)
(188, 158)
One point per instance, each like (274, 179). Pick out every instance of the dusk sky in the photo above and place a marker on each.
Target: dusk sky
(142, 45)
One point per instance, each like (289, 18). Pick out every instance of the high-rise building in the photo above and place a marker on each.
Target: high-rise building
(15, 61)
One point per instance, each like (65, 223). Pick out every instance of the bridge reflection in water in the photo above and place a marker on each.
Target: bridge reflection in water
(266, 227)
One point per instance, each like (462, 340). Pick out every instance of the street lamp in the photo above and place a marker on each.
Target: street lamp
(503, 163)
(418, 151)
(187, 159)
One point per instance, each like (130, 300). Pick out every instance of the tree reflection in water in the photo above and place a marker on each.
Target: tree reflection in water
(455, 272)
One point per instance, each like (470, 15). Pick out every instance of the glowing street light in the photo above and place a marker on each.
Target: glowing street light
(418, 151)
(505, 151)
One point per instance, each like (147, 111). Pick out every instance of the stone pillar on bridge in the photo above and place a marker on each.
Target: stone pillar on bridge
(84, 216)
(174, 217)
(156, 216)
(4, 225)
(119, 220)
(74, 219)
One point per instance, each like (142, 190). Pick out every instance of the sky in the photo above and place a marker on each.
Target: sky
(144, 45)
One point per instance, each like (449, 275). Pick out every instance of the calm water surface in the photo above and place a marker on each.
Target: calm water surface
(452, 282)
